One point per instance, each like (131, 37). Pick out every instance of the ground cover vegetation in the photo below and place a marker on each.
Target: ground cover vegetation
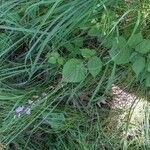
(58, 61)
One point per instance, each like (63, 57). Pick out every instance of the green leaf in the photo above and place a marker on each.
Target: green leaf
(135, 40)
(87, 53)
(70, 47)
(55, 54)
(148, 66)
(73, 71)
(107, 41)
(94, 31)
(53, 57)
(52, 60)
(143, 47)
(148, 56)
(73, 49)
(138, 64)
(61, 61)
(78, 42)
(133, 55)
(148, 80)
(120, 52)
(94, 66)
(56, 120)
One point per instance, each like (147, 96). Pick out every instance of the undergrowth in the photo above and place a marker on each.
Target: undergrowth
(58, 60)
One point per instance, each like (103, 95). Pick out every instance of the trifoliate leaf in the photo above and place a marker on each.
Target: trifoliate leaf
(73, 71)
(94, 66)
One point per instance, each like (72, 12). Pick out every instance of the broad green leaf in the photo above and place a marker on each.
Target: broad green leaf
(143, 47)
(135, 40)
(87, 53)
(94, 66)
(148, 80)
(139, 64)
(73, 71)
(120, 52)
(148, 66)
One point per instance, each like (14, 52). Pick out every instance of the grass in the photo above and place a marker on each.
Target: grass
(65, 116)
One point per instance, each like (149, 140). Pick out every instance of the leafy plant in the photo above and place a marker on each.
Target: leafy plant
(54, 58)
(143, 47)
(38, 36)
(120, 52)
(134, 51)
(87, 53)
(135, 40)
(94, 66)
(73, 71)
